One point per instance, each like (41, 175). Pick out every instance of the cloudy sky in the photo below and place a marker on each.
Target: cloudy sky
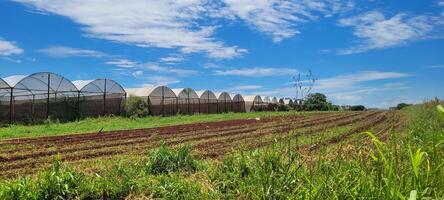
(376, 53)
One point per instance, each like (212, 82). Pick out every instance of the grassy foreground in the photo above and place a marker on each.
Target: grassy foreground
(408, 165)
(119, 123)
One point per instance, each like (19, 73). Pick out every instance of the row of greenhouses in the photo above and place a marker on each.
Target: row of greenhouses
(41, 96)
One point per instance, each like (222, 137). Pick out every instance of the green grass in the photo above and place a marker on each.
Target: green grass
(91, 125)
(410, 165)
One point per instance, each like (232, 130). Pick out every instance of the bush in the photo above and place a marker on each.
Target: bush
(402, 105)
(52, 184)
(358, 108)
(282, 107)
(165, 159)
(136, 107)
(262, 174)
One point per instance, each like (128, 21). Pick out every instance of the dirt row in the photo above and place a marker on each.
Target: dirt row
(63, 146)
(148, 141)
(211, 138)
(260, 140)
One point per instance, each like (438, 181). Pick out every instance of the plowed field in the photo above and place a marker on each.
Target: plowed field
(209, 140)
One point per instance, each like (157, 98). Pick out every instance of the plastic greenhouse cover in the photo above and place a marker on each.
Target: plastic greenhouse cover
(207, 94)
(238, 98)
(256, 99)
(162, 91)
(98, 87)
(224, 96)
(37, 85)
(186, 93)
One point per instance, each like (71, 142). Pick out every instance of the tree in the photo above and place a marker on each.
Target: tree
(402, 105)
(317, 101)
(358, 108)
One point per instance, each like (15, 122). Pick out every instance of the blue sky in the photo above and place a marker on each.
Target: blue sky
(376, 53)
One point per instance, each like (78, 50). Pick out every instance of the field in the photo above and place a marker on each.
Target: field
(309, 155)
(211, 139)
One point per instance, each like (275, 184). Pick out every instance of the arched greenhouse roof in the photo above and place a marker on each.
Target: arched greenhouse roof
(158, 91)
(238, 98)
(40, 83)
(162, 91)
(186, 93)
(252, 98)
(4, 84)
(274, 100)
(99, 86)
(5, 89)
(207, 95)
(266, 99)
(223, 96)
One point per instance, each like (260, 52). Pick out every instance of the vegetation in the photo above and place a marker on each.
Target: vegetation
(407, 164)
(357, 108)
(94, 125)
(318, 101)
(136, 107)
(400, 106)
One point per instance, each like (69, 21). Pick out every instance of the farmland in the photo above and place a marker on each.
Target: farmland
(210, 140)
(319, 155)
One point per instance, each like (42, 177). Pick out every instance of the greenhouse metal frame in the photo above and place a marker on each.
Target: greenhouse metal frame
(44, 95)
(238, 103)
(188, 102)
(208, 102)
(253, 103)
(225, 103)
(40, 96)
(101, 97)
(162, 101)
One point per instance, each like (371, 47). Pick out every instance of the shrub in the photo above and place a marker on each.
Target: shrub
(56, 183)
(165, 159)
(262, 174)
(358, 108)
(136, 107)
(176, 187)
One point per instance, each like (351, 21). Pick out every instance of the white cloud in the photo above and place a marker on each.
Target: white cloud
(168, 70)
(211, 66)
(348, 88)
(137, 74)
(61, 51)
(350, 80)
(8, 48)
(358, 94)
(123, 63)
(138, 67)
(145, 23)
(172, 59)
(279, 18)
(247, 87)
(376, 31)
(441, 3)
(435, 67)
(162, 80)
(257, 72)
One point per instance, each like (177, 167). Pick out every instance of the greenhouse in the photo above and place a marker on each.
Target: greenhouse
(238, 103)
(225, 104)
(268, 105)
(253, 103)
(161, 100)
(37, 97)
(187, 101)
(274, 100)
(5, 99)
(208, 102)
(100, 97)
